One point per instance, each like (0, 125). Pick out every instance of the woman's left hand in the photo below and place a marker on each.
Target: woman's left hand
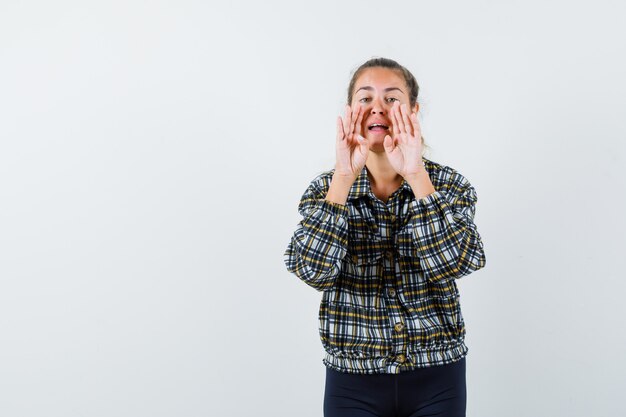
(404, 150)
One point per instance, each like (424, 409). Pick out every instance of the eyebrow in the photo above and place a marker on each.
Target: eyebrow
(372, 88)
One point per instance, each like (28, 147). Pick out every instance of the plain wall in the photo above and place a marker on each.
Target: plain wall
(153, 154)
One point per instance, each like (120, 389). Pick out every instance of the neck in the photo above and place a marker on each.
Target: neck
(380, 172)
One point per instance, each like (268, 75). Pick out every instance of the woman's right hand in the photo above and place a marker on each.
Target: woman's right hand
(352, 148)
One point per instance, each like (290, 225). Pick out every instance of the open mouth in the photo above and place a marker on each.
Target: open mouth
(378, 127)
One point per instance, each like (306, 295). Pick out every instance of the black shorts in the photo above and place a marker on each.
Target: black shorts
(432, 391)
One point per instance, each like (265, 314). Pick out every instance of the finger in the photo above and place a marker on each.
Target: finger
(417, 131)
(400, 115)
(359, 127)
(356, 131)
(388, 144)
(396, 120)
(364, 145)
(340, 134)
(346, 120)
(394, 125)
(407, 120)
(355, 113)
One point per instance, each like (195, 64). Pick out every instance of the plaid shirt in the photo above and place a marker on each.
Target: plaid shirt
(387, 271)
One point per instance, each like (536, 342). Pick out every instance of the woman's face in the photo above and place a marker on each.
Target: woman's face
(375, 91)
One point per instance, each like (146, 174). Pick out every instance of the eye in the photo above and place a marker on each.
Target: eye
(367, 98)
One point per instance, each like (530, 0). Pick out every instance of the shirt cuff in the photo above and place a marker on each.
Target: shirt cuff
(418, 205)
(333, 209)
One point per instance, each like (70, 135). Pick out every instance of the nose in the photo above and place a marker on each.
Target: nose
(378, 106)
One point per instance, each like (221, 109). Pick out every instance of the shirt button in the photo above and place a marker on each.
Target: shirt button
(393, 218)
(355, 258)
(391, 292)
(401, 358)
(399, 326)
(389, 255)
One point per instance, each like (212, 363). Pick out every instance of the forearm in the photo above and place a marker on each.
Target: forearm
(442, 229)
(320, 241)
(421, 184)
(339, 189)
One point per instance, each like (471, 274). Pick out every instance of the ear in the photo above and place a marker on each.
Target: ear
(416, 108)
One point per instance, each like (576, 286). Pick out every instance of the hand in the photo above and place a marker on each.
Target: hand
(404, 150)
(352, 148)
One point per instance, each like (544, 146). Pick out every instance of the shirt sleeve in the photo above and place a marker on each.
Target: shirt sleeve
(444, 232)
(320, 241)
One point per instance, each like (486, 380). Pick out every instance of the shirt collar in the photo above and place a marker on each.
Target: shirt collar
(362, 187)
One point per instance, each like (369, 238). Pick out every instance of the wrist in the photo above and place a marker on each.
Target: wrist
(343, 178)
(339, 188)
(416, 175)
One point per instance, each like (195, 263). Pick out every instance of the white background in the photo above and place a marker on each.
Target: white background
(153, 154)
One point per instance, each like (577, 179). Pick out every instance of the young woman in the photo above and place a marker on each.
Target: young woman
(384, 236)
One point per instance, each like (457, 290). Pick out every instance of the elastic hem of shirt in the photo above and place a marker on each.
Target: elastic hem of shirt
(439, 355)
(332, 208)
